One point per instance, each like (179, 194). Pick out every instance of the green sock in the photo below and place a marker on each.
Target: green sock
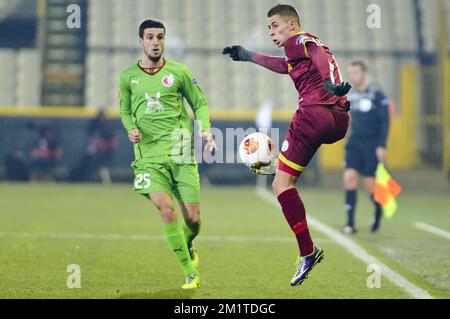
(190, 233)
(177, 243)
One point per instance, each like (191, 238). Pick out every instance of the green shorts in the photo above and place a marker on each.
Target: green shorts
(180, 180)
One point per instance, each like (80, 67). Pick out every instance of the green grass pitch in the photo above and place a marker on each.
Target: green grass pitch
(246, 248)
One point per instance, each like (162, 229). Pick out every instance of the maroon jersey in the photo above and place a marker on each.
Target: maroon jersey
(310, 62)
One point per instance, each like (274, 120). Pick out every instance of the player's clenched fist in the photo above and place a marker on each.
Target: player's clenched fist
(134, 135)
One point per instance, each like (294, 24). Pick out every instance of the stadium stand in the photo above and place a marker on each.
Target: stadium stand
(227, 22)
(198, 41)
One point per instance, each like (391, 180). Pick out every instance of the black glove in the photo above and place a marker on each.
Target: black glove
(238, 53)
(339, 90)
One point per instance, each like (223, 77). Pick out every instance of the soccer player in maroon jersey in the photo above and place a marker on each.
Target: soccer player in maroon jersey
(321, 116)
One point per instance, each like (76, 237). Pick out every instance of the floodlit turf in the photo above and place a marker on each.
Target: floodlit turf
(46, 227)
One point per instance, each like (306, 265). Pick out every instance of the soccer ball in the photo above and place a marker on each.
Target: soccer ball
(256, 147)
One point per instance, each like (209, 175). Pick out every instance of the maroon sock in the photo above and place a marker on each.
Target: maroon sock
(294, 212)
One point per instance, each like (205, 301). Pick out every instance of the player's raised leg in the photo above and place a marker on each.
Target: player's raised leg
(191, 228)
(175, 238)
(295, 214)
(351, 181)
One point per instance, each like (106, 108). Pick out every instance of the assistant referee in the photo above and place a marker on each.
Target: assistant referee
(366, 146)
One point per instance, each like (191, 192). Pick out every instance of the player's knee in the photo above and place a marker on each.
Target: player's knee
(167, 212)
(350, 184)
(350, 180)
(168, 217)
(279, 187)
(369, 187)
(193, 223)
(191, 213)
(275, 186)
(369, 190)
(193, 219)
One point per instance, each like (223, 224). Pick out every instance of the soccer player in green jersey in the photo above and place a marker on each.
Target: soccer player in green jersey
(153, 113)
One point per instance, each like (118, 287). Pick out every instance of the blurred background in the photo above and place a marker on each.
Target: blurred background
(58, 85)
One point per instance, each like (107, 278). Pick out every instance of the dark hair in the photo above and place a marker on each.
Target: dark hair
(360, 63)
(150, 24)
(284, 10)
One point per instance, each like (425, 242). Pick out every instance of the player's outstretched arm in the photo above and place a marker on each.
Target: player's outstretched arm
(320, 59)
(274, 63)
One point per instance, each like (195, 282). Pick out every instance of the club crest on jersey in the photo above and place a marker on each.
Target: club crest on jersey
(285, 146)
(153, 104)
(168, 80)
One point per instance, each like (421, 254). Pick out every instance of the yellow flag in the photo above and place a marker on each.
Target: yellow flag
(386, 190)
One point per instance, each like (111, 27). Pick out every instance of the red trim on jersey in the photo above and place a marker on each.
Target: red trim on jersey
(149, 70)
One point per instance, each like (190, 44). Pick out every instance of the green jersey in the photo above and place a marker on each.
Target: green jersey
(153, 103)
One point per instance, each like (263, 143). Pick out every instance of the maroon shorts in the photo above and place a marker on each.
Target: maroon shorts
(310, 127)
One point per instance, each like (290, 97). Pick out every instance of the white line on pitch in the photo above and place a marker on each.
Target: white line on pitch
(356, 250)
(269, 239)
(432, 229)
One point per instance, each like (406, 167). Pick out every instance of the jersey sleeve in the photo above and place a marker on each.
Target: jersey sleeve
(319, 57)
(196, 99)
(309, 47)
(125, 103)
(382, 107)
(276, 64)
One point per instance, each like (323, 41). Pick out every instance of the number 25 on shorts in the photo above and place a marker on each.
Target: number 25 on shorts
(142, 181)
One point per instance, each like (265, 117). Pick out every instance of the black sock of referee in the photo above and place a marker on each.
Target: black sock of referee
(350, 203)
(378, 210)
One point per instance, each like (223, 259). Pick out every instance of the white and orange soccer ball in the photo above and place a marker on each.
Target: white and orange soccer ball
(257, 147)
